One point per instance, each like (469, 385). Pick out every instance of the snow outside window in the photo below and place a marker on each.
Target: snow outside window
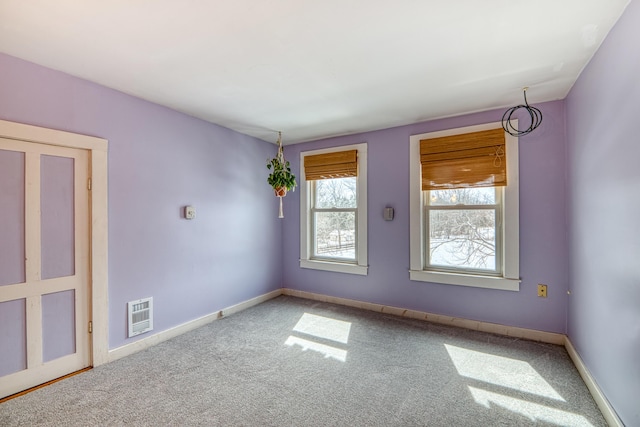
(463, 230)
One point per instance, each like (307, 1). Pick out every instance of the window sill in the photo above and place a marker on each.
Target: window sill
(500, 283)
(337, 267)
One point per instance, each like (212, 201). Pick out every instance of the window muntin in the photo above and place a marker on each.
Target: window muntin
(463, 230)
(334, 212)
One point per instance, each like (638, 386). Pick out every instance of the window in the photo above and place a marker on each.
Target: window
(333, 205)
(464, 219)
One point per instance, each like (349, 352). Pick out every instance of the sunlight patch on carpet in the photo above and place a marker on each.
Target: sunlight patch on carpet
(324, 327)
(326, 350)
(533, 411)
(321, 328)
(501, 371)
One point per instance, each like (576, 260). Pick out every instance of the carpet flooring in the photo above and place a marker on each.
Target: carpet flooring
(296, 362)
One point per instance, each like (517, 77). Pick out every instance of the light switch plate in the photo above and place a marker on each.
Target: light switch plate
(189, 212)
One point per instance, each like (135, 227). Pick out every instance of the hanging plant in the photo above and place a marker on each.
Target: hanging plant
(281, 179)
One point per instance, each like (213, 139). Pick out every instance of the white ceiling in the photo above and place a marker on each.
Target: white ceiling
(315, 68)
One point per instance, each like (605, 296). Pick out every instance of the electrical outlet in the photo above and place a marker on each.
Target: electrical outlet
(542, 291)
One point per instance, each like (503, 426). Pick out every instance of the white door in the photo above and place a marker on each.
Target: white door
(44, 263)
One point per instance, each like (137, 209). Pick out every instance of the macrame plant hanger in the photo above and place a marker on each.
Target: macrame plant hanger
(282, 192)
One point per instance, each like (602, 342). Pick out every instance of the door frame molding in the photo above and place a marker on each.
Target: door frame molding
(98, 221)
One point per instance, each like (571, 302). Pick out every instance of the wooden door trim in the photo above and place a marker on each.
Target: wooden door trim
(98, 223)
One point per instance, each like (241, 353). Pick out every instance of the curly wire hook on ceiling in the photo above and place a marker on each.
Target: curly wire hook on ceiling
(534, 113)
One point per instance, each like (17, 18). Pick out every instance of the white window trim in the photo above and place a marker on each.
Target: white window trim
(510, 280)
(360, 266)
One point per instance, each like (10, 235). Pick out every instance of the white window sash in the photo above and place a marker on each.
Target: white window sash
(314, 254)
(498, 214)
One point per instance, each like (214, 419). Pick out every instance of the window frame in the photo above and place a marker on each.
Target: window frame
(509, 279)
(307, 260)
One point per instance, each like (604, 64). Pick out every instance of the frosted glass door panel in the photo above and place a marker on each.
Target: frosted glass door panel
(12, 249)
(13, 336)
(58, 325)
(57, 220)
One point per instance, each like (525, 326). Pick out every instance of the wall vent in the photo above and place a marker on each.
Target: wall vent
(140, 316)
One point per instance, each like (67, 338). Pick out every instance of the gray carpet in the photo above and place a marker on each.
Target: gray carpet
(294, 362)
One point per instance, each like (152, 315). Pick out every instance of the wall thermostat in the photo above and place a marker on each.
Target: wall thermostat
(189, 212)
(388, 213)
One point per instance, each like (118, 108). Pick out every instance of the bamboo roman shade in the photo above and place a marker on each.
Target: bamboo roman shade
(341, 164)
(474, 159)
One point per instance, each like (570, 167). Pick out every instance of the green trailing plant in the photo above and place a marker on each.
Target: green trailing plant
(281, 175)
(281, 178)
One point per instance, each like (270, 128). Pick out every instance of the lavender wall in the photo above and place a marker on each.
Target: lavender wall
(159, 161)
(604, 178)
(543, 256)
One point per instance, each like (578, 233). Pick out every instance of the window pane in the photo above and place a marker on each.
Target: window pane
(336, 193)
(335, 235)
(463, 238)
(462, 196)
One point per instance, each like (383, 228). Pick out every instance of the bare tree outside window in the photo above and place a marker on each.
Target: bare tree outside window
(334, 214)
(462, 228)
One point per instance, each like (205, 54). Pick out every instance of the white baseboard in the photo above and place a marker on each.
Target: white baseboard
(136, 346)
(603, 404)
(511, 331)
